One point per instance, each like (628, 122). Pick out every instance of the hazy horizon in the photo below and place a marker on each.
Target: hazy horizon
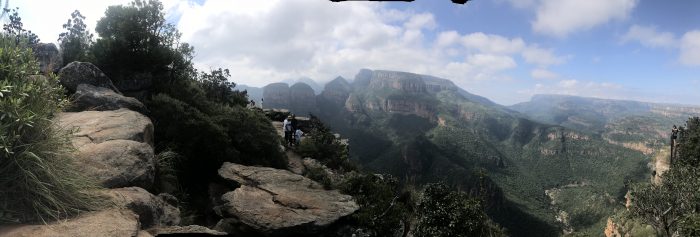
(505, 50)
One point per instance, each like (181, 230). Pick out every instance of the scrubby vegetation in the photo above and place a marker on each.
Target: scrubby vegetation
(38, 180)
(671, 206)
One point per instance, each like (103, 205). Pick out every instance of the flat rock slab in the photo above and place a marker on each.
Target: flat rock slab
(100, 126)
(107, 223)
(280, 203)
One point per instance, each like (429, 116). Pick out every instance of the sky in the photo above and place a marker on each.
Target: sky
(505, 50)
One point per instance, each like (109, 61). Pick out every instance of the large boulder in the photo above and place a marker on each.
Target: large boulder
(77, 73)
(114, 147)
(49, 57)
(89, 97)
(277, 202)
(153, 211)
(118, 163)
(106, 223)
(100, 126)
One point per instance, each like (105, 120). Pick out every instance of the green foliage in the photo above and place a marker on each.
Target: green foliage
(322, 145)
(136, 42)
(39, 180)
(690, 225)
(385, 209)
(689, 144)
(76, 41)
(676, 199)
(218, 88)
(443, 212)
(16, 29)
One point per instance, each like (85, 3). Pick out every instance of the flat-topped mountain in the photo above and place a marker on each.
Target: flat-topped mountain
(638, 125)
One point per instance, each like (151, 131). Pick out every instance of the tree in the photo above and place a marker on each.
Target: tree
(689, 144)
(16, 28)
(218, 88)
(137, 42)
(670, 205)
(75, 42)
(443, 212)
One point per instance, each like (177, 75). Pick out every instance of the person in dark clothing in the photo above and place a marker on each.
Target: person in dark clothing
(288, 130)
(294, 124)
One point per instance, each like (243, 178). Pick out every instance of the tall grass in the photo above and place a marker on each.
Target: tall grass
(38, 179)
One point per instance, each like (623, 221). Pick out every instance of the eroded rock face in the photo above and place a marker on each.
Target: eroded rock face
(334, 94)
(100, 126)
(403, 81)
(302, 99)
(114, 147)
(107, 223)
(278, 203)
(118, 163)
(89, 97)
(48, 56)
(276, 96)
(77, 73)
(153, 211)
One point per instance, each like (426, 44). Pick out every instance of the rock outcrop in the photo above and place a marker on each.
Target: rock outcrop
(276, 96)
(49, 57)
(118, 163)
(77, 73)
(89, 97)
(110, 222)
(334, 95)
(153, 211)
(302, 99)
(277, 202)
(115, 147)
(101, 126)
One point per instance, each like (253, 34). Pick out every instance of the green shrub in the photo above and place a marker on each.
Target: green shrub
(384, 208)
(38, 180)
(443, 212)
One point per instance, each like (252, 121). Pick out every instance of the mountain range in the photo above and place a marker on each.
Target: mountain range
(556, 164)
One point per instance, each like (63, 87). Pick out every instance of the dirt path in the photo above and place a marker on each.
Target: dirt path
(294, 161)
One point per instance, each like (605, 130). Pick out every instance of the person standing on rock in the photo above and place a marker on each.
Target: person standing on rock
(288, 130)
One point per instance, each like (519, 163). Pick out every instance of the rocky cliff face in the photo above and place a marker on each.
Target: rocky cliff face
(276, 96)
(336, 91)
(302, 99)
(299, 98)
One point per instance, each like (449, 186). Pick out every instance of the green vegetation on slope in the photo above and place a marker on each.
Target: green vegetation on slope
(39, 181)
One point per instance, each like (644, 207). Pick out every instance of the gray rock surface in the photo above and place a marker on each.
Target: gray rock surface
(153, 211)
(114, 147)
(100, 126)
(279, 203)
(89, 97)
(190, 230)
(49, 57)
(118, 163)
(77, 73)
(106, 223)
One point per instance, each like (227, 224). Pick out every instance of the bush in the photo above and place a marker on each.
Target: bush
(385, 209)
(38, 180)
(442, 212)
(322, 145)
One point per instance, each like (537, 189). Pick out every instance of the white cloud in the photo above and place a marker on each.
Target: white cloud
(489, 43)
(690, 48)
(540, 73)
(293, 38)
(581, 88)
(649, 36)
(542, 57)
(560, 18)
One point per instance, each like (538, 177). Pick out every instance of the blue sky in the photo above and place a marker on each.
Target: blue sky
(506, 50)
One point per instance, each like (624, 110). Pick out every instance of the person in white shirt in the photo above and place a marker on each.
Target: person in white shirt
(298, 135)
(288, 130)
